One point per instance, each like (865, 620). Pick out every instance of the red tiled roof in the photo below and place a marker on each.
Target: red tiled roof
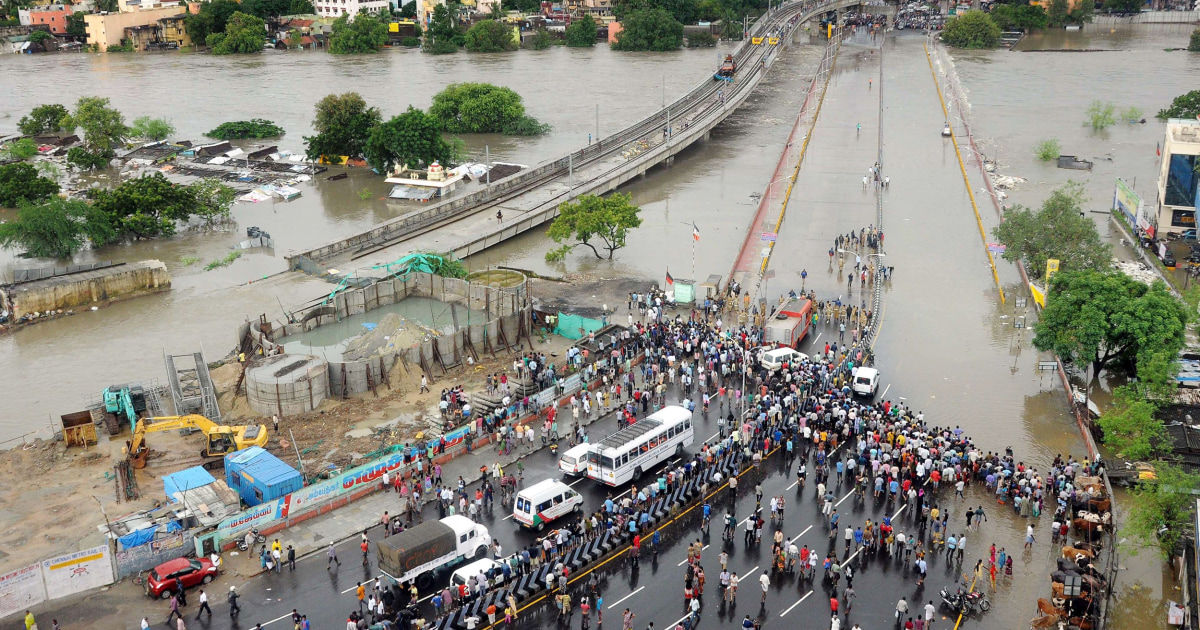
(300, 23)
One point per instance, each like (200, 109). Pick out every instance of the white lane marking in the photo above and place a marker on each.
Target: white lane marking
(280, 618)
(614, 604)
(843, 498)
(748, 574)
(572, 484)
(800, 534)
(818, 337)
(885, 390)
(681, 562)
(364, 585)
(507, 517)
(789, 609)
(794, 484)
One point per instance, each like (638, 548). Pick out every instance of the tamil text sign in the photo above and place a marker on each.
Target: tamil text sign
(21, 589)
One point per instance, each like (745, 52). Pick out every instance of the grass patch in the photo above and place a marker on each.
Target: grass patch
(364, 194)
(188, 261)
(224, 262)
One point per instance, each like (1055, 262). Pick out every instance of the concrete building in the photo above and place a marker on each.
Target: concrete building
(165, 33)
(338, 8)
(1178, 194)
(54, 16)
(104, 31)
(131, 6)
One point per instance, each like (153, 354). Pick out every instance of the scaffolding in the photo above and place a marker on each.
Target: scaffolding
(191, 385)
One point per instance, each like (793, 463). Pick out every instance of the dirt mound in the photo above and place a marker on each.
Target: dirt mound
(392, 333)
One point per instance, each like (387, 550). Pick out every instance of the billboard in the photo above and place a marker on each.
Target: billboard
(21, 589)
(77, 572)
(1130, 204)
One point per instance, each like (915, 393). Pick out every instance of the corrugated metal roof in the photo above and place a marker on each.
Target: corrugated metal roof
(185, 480)
(264, 467)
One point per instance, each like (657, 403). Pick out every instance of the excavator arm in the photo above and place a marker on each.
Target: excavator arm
(164, 423)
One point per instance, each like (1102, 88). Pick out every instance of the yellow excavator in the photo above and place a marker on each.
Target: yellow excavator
(221, 439)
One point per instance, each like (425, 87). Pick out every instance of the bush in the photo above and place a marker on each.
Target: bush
(82, 158)
(20, 183)
(483, 108)
(1131, 114)
(582, 33)
(253, 128)
(243, 34)
(1048, 150)
(44, 119)
(366, 34)
(490, 36)
(541, 39)
(649, 29)
(22, 149)
(701, 40)
(973, 29)
(1024, 17)
(151, 128)
(1101, 115)
(410, 42)
(1194, 42)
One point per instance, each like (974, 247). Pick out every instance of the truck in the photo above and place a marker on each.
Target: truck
(427, 553)
(790, 324)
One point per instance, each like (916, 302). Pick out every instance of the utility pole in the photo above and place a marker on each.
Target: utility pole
(597, 122)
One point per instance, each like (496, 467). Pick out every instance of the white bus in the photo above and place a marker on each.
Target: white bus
(626, 454)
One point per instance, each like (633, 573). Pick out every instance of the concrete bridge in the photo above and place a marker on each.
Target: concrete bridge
(531, 198)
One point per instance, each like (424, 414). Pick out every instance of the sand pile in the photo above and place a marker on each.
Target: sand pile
(391, 334)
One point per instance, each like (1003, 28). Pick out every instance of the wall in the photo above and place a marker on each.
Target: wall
(145, 557)
(108, 30)
(507, 309)
(84, 288)
(54, 16)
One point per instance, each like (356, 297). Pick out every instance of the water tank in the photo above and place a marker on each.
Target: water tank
(287, 384)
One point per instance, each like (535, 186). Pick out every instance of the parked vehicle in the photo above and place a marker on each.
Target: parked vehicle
(574, 461)
(428, 552)
(790, 326)
(169, 577)
(623, 456)
(865, 382)
(544, 502)
(963, 602)
(258, 539)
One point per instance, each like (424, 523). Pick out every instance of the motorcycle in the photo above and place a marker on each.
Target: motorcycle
(258, 538)
(554, 448)
(965, 603)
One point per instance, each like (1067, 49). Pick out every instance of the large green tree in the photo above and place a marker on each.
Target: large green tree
(1123, 6)
(1160, 516)
(483, 108)
(44, 119)
(413, 138)
(244, 34)
(1184, 106)
(50, 229)
(213, 200)
(1130, 428)
(1057, 230)
(144, 207)
(490, 36)
(103, 126)
(439, 38)
(1019, 16)
(212, 18)
(582, 32)
(20, 182)
(366, 34)
(973, 29)
(343, 123)
(1108, 319)
(598, 223)
(649, 29)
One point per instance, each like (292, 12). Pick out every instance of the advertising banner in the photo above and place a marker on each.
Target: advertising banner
(1130, 204)
(21, 589)
(76, 572)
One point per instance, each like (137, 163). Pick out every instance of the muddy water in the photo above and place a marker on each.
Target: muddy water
(1132, 69)
(57, 365)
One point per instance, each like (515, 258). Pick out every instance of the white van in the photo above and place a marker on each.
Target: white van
(574, 460)
(865, 381)
(774, 359)
(545, 501)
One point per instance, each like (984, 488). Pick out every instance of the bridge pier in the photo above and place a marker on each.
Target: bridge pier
(669, 162)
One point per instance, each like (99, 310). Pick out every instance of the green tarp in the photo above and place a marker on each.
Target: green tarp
(570, 326)
(685, 292)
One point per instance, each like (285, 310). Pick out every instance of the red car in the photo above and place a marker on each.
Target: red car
(167, 578)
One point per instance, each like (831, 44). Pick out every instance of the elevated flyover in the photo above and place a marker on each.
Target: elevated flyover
(468, 224)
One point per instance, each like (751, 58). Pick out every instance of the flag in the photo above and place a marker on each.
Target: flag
(1157, 149)
(695, 232)
(670, 280)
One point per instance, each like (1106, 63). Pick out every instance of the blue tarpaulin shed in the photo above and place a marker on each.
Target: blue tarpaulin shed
(184, 480)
